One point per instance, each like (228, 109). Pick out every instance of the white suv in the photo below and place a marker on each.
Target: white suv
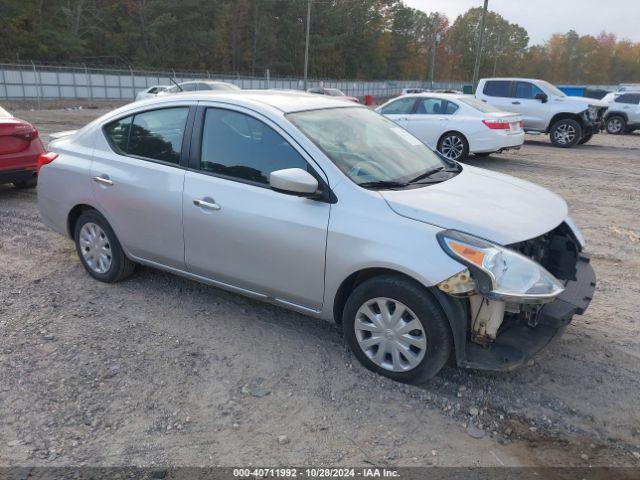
(624, 113)
(545, 108)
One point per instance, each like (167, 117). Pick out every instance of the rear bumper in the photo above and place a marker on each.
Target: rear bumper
(519, 342)
(497, 142)
(12, 176)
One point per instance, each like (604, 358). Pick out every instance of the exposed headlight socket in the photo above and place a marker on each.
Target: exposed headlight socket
(460, 284)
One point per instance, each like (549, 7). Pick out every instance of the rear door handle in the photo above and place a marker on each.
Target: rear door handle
(104, 180)
(207, 204)
(515, 103)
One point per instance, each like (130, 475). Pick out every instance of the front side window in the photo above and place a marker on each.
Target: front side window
(527, 90)
(402, 106)
(435, 106)
(156, 134)
(497, 88)
(366, 146)
(239, 146)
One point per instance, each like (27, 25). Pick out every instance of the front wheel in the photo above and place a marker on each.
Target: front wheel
(566, 133)
(99, 249)
(454, 146)
(616, 125)
(396, 328)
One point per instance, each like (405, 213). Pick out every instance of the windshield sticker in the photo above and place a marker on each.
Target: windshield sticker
(406, 136)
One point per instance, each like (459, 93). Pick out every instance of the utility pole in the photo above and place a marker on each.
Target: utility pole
(476, 68)
(495, 59)
(306, 45)
(436, 41)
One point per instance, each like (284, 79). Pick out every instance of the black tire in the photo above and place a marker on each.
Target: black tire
(32, 182)
(483, 154)
(120, 267)
(565, 133)
(427, 311)
(585, 139)
(454, 138)
(616, 124)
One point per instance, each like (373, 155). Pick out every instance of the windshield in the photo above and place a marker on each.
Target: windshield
(552, 88)
(366, 146)
(479, 105)
(4, 113)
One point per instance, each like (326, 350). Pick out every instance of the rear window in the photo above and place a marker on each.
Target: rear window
(4, 113)
(479, 105)
(497, 88)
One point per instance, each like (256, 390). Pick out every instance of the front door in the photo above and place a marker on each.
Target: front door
(533, 111)
(137, 180)
(238, 230)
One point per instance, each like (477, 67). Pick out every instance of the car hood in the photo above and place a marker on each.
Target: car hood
(490, 205)
(581, 100)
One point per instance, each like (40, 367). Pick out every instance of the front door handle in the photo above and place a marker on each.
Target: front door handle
(515, 103)
(104, 180)
(207, 204)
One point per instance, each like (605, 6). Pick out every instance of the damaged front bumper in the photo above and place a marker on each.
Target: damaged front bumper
(523, 335)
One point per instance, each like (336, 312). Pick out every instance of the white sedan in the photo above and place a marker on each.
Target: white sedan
(456, 125)
(151, 92)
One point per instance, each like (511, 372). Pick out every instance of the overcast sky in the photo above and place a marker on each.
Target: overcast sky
(541, 18)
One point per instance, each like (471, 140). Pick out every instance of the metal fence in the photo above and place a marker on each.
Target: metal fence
(46, 82)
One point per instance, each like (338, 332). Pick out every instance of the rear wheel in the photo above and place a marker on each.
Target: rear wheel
(397, 329)
(99, 249)
(585, 139)
(566, 133)
(616, 124)
(454, 146)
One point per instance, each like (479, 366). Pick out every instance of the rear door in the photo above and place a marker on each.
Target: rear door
(138, 174)
(498, 93)
(430, 119)
(237, 230)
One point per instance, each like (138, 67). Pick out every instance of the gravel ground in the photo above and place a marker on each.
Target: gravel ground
(161, 370)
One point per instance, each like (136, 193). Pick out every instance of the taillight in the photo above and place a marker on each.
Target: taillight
(496, 124)
(46, 158)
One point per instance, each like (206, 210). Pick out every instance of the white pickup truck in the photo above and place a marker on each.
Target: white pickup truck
(545, 108)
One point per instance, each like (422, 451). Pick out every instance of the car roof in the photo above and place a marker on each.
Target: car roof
(511, 79)
(446, 96)
(286, 101)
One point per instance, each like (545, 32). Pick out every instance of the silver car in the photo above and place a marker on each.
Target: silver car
(327, 208)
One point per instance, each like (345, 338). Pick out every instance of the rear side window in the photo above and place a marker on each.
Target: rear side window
(156, 135)
(239, 146)
(435, 106)
(526, 90)
(633, 98)
(497, 88)
(401, 106)
(118, 134)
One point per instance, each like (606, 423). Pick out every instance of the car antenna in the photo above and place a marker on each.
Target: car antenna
(177, 84)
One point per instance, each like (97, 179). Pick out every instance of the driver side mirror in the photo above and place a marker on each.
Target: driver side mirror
(294, 181)
(542, 97)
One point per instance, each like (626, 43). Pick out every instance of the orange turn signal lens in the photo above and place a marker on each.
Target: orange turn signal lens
(465, 251)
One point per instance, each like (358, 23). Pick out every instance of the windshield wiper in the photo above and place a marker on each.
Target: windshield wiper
(383, 184)
(426, 174)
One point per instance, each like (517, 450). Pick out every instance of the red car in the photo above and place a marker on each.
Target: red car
(20, 147)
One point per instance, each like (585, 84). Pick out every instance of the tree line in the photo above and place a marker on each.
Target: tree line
(354, 39)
